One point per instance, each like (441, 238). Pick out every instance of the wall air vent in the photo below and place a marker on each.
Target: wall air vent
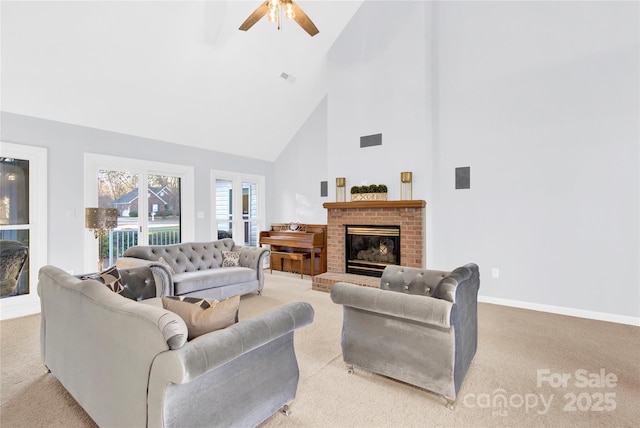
(371, 140)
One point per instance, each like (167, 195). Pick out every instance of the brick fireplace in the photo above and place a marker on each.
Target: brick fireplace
(408, 215)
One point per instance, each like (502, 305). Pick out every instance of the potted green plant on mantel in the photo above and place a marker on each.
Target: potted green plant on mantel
(372, 192)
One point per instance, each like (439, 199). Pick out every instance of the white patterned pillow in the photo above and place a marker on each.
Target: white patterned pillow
(230, 258)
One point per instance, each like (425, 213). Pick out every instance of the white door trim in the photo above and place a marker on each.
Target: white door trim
(27, 304)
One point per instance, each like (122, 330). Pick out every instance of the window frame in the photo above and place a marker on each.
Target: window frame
(94, 162)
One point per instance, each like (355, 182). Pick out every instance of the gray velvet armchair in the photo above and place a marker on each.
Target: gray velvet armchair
(419, 327)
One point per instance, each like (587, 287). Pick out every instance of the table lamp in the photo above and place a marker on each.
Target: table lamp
(101, 221)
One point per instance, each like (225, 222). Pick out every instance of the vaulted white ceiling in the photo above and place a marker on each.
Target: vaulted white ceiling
(176, 71)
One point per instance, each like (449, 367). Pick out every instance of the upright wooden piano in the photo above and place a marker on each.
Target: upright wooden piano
(288, 240)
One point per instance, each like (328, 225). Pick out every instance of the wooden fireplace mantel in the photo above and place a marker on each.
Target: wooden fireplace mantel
(376, 204)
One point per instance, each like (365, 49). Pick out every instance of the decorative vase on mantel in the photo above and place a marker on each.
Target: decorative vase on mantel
(373, 192)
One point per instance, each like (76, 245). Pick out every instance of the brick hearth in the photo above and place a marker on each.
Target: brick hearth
(409, 215)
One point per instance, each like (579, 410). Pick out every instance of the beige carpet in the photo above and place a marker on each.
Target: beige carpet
(514, 344)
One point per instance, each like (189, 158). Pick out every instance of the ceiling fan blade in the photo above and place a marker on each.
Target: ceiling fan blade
(303, 20)
(255, 16)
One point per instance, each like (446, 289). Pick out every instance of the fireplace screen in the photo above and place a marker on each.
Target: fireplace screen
(369, 249)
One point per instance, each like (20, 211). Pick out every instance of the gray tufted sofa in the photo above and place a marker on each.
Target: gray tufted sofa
(129, 364)
(419, 327)
(195, 268)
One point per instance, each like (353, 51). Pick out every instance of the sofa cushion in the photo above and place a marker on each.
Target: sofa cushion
(203, 315)
(230, 258)
(188, 282)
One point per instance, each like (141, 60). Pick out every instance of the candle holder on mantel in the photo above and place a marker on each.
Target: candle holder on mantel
(341, 189)
(406, 185)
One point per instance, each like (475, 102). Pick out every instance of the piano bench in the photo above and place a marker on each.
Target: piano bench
(291, 256)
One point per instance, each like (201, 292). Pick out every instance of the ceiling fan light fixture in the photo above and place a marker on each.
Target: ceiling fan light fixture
(288, 11)
(275, 9)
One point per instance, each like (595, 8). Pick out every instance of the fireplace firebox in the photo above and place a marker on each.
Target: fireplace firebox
(369, 249)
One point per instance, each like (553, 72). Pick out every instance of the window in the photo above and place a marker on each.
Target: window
(23, 226)
(238, 207)
(154, 203)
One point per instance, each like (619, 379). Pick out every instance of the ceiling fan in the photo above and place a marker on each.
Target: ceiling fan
(274, 9)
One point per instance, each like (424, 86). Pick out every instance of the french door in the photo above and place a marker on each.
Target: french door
(23, 226)
(154, 202)
(238, 204)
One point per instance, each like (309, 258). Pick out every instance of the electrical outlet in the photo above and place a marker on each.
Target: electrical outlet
(495, 272)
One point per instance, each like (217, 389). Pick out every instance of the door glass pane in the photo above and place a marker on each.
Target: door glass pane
(14, 191)
(164, 210)
(119, 190)
(14, 269)
(250, 213)
(14, 240)
(224, 208)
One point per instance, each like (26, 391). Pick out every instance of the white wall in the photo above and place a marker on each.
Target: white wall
(379, 82)
(66, 147)
(540, 99)
(298, 171)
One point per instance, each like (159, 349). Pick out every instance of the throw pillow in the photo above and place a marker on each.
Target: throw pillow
(230, 258)
(109, 277)
(203, 315)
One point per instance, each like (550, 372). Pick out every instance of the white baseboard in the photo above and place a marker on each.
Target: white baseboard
(580, 313)
(19, 306)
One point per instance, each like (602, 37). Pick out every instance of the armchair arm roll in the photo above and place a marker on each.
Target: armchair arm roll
(210, 380)
(214, 349)
(252, 257)
(419, 308)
